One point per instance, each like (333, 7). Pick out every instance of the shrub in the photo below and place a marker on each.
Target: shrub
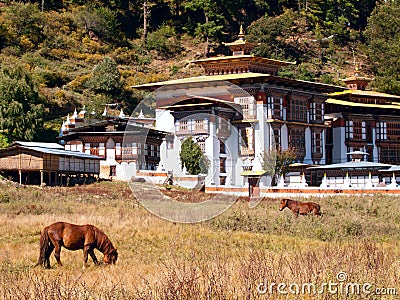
(164, 41)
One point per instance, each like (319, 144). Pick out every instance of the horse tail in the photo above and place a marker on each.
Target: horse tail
(44, 246)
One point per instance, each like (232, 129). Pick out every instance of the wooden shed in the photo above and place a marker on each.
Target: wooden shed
(45, 163)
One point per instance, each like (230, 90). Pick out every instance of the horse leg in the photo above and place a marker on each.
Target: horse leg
(93, 256)
(57, 252)
(87, 249)
(47, 256)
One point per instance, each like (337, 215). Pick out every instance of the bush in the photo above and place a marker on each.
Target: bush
(4, 198)
(164, 41)
(4, 141)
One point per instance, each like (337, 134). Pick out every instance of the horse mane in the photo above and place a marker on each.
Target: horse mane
(103, 242)
(290, 201)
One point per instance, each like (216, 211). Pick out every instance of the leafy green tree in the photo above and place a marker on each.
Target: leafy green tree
(277, 162)
(383, 39)
(192, 157)
(106, 78)
(21, 112)
(101, 20)
(273, 34)
(24, 23)
(300, 71)
(211, 24)
(164, 41)
(4, 142)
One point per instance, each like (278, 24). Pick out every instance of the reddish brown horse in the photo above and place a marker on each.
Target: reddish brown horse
(74, 237)
(302, 208)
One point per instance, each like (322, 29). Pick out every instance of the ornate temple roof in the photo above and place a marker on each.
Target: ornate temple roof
(360, 93)
(243, 57)
(244, 77)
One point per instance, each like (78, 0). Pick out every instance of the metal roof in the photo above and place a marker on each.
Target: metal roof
(353, 165)
(204, 78)
(358, 104)
(364, 93)
(49, 150)
(253, 173)
(244, 57)
(356, 78)
(38, 144)
(272, 79)
(394, 168)
(212, 100)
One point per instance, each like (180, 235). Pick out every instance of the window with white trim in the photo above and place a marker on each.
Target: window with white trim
(87, 148)
(274, 107)
(248, 105)
(381, 131)
(316, 142)
(101, 149)
(349, 129)
(117, 148)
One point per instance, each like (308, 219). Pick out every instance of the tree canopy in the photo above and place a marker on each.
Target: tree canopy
(383, 36)
(21, 112)
(106, 77)
(277, 162)
(191, 156)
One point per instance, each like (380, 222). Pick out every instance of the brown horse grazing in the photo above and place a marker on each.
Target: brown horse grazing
(302, 208)
(74, 237)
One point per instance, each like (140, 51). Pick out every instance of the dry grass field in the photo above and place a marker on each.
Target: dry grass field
(258, 253)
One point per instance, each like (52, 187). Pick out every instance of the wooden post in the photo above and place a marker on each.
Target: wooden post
(20, 176)
(41, 177)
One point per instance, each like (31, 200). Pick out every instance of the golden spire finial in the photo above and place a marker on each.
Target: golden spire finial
(356, 70)
(241, 33)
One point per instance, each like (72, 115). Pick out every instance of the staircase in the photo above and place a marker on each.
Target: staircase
(199, 187)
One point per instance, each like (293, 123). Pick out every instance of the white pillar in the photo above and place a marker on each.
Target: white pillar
(308, 145)
(212, 151)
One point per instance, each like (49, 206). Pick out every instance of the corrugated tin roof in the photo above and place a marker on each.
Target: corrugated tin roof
(49, 150)
(63, 152)
(39, 144)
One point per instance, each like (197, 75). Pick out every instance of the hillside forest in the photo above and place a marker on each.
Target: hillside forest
(60, 55)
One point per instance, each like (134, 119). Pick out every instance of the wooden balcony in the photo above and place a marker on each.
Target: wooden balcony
(191, 132)
(246, 152)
